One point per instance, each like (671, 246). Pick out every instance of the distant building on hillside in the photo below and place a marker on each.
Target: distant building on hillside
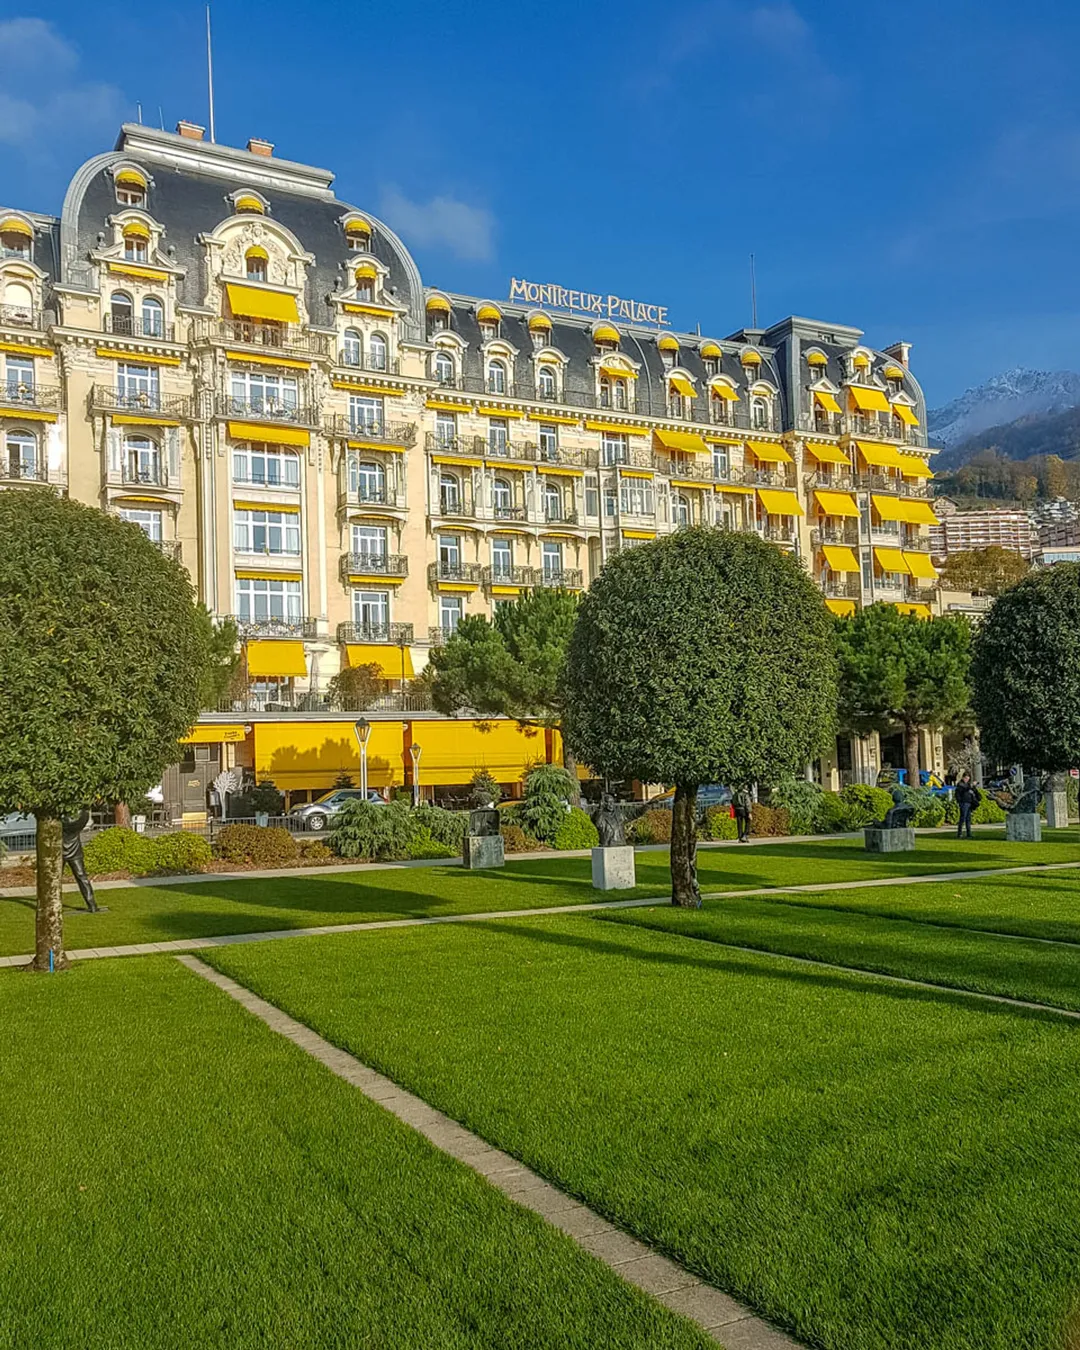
(1059, 509)
(960, 531)
(1058, 541)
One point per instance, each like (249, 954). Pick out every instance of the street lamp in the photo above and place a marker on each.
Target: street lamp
(414, 752)
(362, 727)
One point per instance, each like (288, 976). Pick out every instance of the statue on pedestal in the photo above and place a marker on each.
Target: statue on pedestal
(610, 826)
(71, 846)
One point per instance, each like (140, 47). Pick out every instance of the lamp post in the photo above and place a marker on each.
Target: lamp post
(362, 727)
(414, 753)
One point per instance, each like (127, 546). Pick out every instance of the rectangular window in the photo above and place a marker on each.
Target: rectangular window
(264, 391)
(636, 497)
(720, 461)
(552, 559)
(497, 434)
(610, 503)
(369, 540)
(450, 608)
(449, 552)
(262, 598)
(445, 428)
(270, 532)
(367, 480)
(366, 414)
(265, 465)
(20, 378)
(371, 609)
(614, 448)
(148, 521)
(137, 386)
(549, 441)
(592, 496)
(502, 557)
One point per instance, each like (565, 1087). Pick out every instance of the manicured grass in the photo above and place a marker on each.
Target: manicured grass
(874, 1167)
(174, 1174)
(215, 905)
(981, 961)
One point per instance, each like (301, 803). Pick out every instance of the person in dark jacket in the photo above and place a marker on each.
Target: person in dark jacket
(968, 798)
(742, 802)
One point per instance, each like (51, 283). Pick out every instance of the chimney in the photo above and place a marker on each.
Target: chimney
(257, 147)
(190, 130)
(900, 351)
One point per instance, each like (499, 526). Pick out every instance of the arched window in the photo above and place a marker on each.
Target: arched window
(618, 394)
(606, 384)
(136, 243)
(16, 238)
(256, 261)
(153, 317)
(365, 277)
(377, 352)
(350, 352)
(358, 236)
(130, 188)
(443, 368)
(496, 380)
(121, 312)
(142, 460)
(18, 302)
(680, 511)
(367, 480)
(548, 386)
(553, 502)
(249, 206)
(502, 498)
(449, 494)
(759, 412)
(21, 455)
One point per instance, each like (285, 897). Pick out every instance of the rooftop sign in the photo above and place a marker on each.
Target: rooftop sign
(549, 296)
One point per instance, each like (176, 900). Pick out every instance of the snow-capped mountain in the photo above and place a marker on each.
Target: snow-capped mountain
(1004, 398)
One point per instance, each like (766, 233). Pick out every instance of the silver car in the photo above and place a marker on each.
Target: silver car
(317, 815)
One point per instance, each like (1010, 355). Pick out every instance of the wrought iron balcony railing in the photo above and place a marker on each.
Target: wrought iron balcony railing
(266, 410)
(40, 397)
(171, 548)
(374, 565)
(377, 365)
(106, 398)
(455, 571)
(145, 475)
(566, 578)
(845, 532)
(400, 634)
(264, 336)
(306, 628)
(23, 471)
(130, 325)
(560, 515)
(510, 575)
(389, 495)
(390, 433)
(21, 316)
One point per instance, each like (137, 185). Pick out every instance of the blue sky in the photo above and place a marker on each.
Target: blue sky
(912, 170)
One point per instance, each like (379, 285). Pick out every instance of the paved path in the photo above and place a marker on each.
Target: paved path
(194, 944)
(724, 1320)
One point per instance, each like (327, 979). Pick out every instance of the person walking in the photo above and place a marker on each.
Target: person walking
(742, 802)
(968, 798)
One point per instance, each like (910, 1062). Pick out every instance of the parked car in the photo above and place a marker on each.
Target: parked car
(708, 795)
(317, 815)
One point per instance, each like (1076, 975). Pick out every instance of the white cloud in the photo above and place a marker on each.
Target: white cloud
(34, 55)
(443, 222)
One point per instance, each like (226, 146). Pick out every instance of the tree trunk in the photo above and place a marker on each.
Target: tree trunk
(49, 922)
(684, 882)
(911, 754)
(570, 765)
(122, 815)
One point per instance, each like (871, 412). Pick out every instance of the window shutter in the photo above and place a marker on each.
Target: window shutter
(172, 447)
(115, 452)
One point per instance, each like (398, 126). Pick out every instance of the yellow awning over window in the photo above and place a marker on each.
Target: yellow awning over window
(683, 385)
(817, 359)
(488, 314)
(837, 504)
(366, 271)
(750, 358)
(843, 609)
(683, 440)
(135, 229)
(618, 372)
(891, 560)
(605, 333)
(911, 466)
(539, 321)
(917, 512)
(249, 302)
(780, 503)
(919, 565)
(825, 400)
(920, 611)
(722, 390)
(710, 350)
(249, 204)
(131, 176)
(639, 534)
(272, 433)
(879, 456)
(868, 400)
(357, 227)
(388, 658)
(438, 303)
(840, 558)
(618, 427)
(668, 343)
(889, 508)
(906, 414)
(825, 453)
(275, 659)
(770, 452)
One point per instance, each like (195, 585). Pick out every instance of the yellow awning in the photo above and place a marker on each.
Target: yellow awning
(540, 321)
(893, 372)
(750, 358)
(357, 227)
(12, 225)
(861, 361)
(258, 253)
(249, 204)
(618, 372)
(366, 270)
(710, 350)
(488, 314)
(778, 502)
(249, 302)
(920, 611)
(826, 453)
(919, 565)
(837, 504)
(683, 385)
(272, 433)
(891, 560)
(879, 456)
(140, 358)
(770, 452)
(889, 508)
(275, 659)
(131, 176)
(722, 390)
(214, 735)
(668, 343)
(683, 440)
(438, 303)
(635, 473)
(826, 400)
(817, 359)
(590, 425)
(843, 609)
(917, 512)
(868, 400)
(135, 229)
(605, 333)
(911, 466)
(388, 658)
(906, 414)
(840, 558)
(639, 534)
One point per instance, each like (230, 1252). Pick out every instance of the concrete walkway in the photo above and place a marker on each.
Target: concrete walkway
(194, 944)
(722, 1318)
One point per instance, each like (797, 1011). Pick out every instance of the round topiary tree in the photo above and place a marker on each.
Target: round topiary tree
(102, 656)
(704, 657)
(1025, 672)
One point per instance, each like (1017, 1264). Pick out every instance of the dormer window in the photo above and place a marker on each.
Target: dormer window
(16, 238)
(669, 350)
(711, 356)
(540, 331)
(606, 338)
(760, 412)
(358, 236)
(438, 313)
(248, 204)
(712, 366)
(136, 242)
(256, 262)
(442, 368)
(488, 319)
(130, 188)
(366, 277)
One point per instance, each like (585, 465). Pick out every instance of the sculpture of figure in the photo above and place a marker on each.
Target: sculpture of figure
(609, 823)
(1027, 800)
(898, 817)
(73, 856)
(484, 822)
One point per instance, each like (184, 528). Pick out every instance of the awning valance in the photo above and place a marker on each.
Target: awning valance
(840, 558)
(891, 560)
(13, 225)
(135, 229)
(837, 504)
(357, 227)
(605, 333)
(817, 359)
(879, 456)
(389, 659)
(919, 565)
(272, 434)
(259, 253)
(778, 502)
(769, 452)
(616, 427)
(131, 176)
(843, 609)
(868, 400)
(249, 302)
(488, 314)
(710, 351)
(825, 400)
(539, 321)
(825, 453)
(750, 358)
(682, 440)
(683, 386)
(906, 414)
(279, 660)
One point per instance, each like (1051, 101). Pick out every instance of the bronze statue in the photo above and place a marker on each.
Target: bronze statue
(899, 816)
(484, 822)
(73, 855)
(610, 826)
(1027, 799)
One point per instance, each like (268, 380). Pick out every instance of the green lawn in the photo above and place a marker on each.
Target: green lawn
(215, 905)
(874, 1167)
(175, 1175)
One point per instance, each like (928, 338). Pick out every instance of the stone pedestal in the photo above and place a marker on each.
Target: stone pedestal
(1057, 808)
(613, 869)
(1023, 827)
(880, 840)
(483, 850)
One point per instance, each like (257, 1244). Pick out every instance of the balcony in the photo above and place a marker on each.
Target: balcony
(565, 578)
(470, 573)
(842, 532)
(23, 471)
(440, 633)
(144, 474)
(384, 433)
(374, 565)
(522, 451)
(267, 410)
(842, 480)
(378, 365)
(920, 595)
(776, 531)
(269, 478)
(510, 576)
(274, 337)
(448, 507)
(362, 495)
(560, 515)
(171, 548)
(400, 634)
(844, 586)
(632, 457)
(305, 628)
(21, 316)
(128, 325)
(34, 397)
(175, 407)
(780, 477)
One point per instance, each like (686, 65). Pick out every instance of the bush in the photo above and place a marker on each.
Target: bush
(867, 804)
(929, 808)
(801, 800)
(255, 845)
(312, 851)
(180, 852)
(257, 800)
(654, 827)
(988, 812)
(548, 790)
(720, 824)
(425, 845)
(836, 816)
(769, 820)
(483, 789)
(375, 833)
(576, 831)
(445, 827)
(516, 840)
(118, 850)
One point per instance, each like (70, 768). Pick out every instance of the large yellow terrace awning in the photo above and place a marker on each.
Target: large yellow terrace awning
(212, 734)
(275, 659)
(683, 385)
(920, 611)
(840, 558)
(891, 560)
(919, 565)
(825, 400)
(889, 508)
(779, 502)
(911, 466)
(868, 400)
(249, 302)
(843, 609)
(826, 453)
(389, 659)
(683, 440)
(917, 512)
(272, 433)
(906, 414)
(837, 504)
(770, 452)
(879, 456)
